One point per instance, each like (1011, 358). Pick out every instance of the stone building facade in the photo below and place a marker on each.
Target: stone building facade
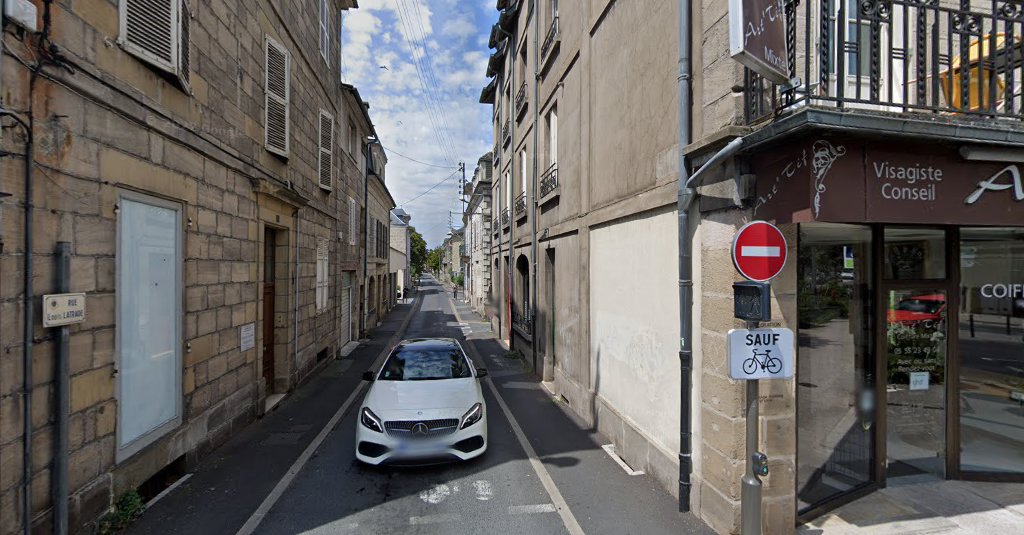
(886, 259)
(401, 250)
(380, 296)
(208, 181)
(477, 222)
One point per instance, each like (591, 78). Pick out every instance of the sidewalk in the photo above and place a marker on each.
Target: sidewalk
(229, 484)
(928, 505)
(598, 490)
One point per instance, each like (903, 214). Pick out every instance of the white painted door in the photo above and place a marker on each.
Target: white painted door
(346, 309)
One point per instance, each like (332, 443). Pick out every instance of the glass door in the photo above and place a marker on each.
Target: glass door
(991, 351)
(914, 350)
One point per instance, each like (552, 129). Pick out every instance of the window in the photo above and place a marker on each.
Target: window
(276, 88)
(341, 57)
(157, 31)
(353, 221)
(321, 275)
(325, 165)
(372, 237)
(553, 136)
(522, 166)
(352, 136)
(149, 259)
(325, 33)
(426, 363)
(508, 190)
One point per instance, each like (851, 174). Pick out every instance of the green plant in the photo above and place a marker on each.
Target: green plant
(125, 510)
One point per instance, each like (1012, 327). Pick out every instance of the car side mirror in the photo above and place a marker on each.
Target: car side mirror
(481, 372)
(368, 375)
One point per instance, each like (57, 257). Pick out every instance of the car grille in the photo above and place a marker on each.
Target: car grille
(412, 429)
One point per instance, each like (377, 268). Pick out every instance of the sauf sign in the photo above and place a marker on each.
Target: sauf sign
(757, 37)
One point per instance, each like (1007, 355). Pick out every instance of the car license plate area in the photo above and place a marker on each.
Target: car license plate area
(421, 448)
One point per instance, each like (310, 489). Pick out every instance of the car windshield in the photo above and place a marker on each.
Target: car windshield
(423, 364)
(920, 305)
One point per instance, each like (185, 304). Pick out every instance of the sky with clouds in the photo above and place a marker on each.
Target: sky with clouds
(421, 64)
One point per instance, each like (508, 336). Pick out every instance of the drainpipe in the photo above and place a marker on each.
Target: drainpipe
(512, 178)
(295, 290)
(27, 328)
(533, 188)
(684, 198)
(366, 246)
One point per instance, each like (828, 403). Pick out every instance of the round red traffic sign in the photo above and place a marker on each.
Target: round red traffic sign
(759, 251)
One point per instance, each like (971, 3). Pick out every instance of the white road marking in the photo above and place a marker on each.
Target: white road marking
(755, 250)
(483, 490)
(261, 512)
(168, 490)
(531, 509)
(434, 519)
(521, 385)
(437, 494)
(568, 519)
(610, 450)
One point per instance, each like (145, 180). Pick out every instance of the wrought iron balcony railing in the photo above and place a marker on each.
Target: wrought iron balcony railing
(899, 56)
(520, 205)
(549, 180)
(550, 39)
(505, 132)
(505, 217)
(522, 320)
(521, 99)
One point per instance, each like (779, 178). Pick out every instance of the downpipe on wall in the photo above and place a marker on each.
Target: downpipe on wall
(533, 194)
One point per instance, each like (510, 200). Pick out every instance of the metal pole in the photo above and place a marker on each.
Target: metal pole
(60, 472)
(750, 500)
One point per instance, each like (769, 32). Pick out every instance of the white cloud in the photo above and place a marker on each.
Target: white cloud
(405, 115)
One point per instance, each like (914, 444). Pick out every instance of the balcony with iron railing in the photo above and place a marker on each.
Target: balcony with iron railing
(505, 219)
(520, 206)
(521, 101)
(914, 58)
(522, 321)
(506, 132)
(549, 183)
(550, 40)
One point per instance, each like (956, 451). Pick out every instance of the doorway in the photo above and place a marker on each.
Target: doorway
(917, 286)
(269, 305)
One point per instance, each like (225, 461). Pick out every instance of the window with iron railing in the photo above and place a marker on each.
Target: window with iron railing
(520, 205)
(898, 56)
(551, 38)
(521, 100)
(549, 180)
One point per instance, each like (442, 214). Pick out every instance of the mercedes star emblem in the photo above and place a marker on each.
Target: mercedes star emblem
(420, 429)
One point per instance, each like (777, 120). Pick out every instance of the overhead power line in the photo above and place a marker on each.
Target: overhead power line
(446, 179)
(396, 153)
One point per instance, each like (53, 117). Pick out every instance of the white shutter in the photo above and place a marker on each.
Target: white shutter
(325, 166)
(321, 275)
(325, 33)
(353, 221)
(158, 32)
(277, 67)
(184, 47)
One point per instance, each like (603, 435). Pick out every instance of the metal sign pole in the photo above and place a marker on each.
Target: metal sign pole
(751, 489)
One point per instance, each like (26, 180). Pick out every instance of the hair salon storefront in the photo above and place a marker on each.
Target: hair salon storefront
(910, 311)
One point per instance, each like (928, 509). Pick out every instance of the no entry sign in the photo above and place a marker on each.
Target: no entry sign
(759, 251)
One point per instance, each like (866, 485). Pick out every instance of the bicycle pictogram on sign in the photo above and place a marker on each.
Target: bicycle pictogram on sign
(766, 363)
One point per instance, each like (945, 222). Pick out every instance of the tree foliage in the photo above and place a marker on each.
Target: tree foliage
(434, 258)
(419, 252)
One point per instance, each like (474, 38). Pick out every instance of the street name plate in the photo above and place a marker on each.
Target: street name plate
(248, 336)
(63, 309)
(760, 353)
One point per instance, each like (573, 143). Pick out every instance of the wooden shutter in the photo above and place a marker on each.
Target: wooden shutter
(149, 30)
(321, 275)
(353, 221)
(276, 87)
(184, 47)
(325, 167)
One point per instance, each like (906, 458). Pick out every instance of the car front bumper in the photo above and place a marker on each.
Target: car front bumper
(377, 448)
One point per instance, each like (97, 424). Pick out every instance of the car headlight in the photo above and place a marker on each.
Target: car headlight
(370, 420)
(473, 416)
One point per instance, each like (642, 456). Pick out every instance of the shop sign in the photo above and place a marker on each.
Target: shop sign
(63, 309)
(757, 37)
(850, 180)
(760, 353)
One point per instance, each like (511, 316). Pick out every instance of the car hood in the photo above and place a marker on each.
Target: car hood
(458, 394)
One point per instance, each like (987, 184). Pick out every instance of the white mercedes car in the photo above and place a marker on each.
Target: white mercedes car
(425, 405)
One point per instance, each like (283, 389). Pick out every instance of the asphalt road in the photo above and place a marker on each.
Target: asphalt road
(277, 477)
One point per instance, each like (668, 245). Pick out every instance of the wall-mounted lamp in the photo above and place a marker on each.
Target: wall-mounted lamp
(984, 153)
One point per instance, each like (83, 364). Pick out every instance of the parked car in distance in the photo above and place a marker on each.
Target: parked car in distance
(424, 405)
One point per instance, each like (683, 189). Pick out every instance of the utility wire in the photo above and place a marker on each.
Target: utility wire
(430, 99)
(396, 153)
(446, 179)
